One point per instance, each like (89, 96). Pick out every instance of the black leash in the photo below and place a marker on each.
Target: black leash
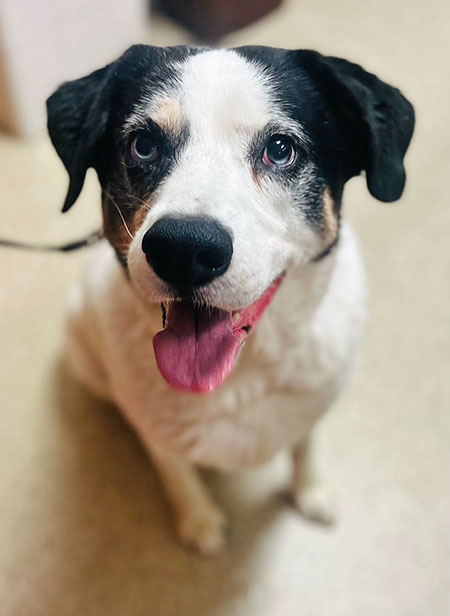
(92, 238)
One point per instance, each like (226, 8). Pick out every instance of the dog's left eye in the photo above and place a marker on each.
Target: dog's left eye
(144, 148)
(279, 152)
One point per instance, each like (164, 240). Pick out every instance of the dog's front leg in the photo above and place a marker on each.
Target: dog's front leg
(308, 492)
(200, 523)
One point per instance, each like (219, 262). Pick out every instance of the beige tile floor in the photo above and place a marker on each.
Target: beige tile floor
(83, 525)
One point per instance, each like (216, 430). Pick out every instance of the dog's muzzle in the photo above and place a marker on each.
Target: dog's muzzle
(199, 344)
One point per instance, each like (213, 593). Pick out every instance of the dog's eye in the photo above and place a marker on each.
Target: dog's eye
(279, 151)
(143, 148)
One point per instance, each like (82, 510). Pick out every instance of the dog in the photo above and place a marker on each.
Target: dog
(222, 312)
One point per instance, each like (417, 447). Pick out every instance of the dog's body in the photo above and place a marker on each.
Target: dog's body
(221, 199)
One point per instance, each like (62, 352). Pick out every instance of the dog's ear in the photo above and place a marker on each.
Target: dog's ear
(78, 113)
(376, 119)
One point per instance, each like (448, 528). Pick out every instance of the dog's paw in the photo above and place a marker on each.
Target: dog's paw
(314, 503)
(203, 529)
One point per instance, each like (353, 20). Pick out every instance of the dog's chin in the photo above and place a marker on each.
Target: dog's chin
(199, 343)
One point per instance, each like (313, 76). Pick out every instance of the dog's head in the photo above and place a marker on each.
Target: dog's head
(220, 170)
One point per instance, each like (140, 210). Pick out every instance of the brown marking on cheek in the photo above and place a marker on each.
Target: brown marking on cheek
(256, 179)
(114, 227)
(139, 216)
(169, 114)
(330, 217)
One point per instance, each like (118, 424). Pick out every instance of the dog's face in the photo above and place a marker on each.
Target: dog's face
(221, 170)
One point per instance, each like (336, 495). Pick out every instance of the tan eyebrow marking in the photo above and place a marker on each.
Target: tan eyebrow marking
(168, 114)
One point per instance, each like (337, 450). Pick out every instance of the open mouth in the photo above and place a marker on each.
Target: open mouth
(198, 347)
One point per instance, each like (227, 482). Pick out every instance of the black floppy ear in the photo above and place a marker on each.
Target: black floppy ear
(78, 113)
(377, 121)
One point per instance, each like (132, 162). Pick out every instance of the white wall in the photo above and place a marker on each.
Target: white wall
(46, 42)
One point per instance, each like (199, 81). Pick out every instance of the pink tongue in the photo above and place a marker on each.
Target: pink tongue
(197, 349)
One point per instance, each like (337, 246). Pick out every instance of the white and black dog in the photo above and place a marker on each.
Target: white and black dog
(223, 314)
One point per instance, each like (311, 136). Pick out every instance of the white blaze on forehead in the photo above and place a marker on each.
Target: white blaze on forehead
(221, 89)
(216, 93)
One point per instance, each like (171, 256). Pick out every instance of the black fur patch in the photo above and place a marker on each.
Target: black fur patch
(354, 120)
(85, 116)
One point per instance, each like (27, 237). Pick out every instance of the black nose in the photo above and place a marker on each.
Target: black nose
(188, 252)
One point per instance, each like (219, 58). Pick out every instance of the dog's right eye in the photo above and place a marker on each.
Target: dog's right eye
(279, 151)
(143, 148)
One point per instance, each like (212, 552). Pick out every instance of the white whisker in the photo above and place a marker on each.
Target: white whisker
(120, 214)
